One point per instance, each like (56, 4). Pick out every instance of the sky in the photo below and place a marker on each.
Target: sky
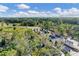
(39, 9)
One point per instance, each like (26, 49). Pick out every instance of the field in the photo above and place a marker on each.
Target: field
(30, 36)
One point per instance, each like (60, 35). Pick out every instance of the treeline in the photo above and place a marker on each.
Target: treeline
(69, 20)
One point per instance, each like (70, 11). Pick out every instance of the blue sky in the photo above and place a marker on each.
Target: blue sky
(38, 9)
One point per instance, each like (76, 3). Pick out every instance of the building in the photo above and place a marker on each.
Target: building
(55, 38)
(72, 43)
(36, 29)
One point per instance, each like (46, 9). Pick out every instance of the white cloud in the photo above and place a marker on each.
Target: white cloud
(74, 11)
(19, 14)
(66, 12)
(3, 8)
(23, 6)
(57, 10)
(33, 11)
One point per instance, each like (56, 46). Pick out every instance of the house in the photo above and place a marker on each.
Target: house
(36, 29)
(55, 38)
(72, 43)
(76, 28)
